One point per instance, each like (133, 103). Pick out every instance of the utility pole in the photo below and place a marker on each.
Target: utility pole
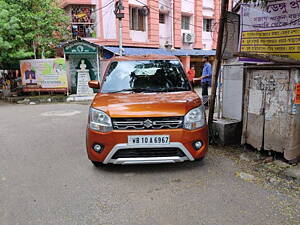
(217, 64)
(119, 15)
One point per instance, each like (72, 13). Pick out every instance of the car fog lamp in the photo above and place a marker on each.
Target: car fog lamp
(97, 148)
(198, 145)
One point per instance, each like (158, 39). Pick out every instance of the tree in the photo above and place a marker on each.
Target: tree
(30, 29)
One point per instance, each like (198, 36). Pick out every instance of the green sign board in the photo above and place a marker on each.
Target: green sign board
(80, 48)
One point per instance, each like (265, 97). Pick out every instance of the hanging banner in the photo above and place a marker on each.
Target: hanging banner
(273, 29)
(44, 73)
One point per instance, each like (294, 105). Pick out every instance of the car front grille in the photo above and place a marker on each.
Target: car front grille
(148, 123)
(148, 152)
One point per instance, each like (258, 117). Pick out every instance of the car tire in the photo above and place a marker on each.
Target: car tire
(97, 164)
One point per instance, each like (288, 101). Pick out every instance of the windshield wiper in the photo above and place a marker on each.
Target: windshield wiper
(137, 90)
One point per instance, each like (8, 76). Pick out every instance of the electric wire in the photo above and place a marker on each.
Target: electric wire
(177, 19)
(104, 6)
(216, 22)
(168, 15)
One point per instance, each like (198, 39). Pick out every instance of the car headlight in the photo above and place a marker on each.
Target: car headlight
(195, 118)
(99, 121)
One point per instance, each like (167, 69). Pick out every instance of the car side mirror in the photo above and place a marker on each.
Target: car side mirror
(94, 84)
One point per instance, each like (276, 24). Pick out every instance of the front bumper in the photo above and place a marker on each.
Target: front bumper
(147, 160)
(117, 140)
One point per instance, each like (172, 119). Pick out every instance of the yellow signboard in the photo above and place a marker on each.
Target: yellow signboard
(274, 30)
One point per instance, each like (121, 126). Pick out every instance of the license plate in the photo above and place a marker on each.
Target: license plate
(148, 139)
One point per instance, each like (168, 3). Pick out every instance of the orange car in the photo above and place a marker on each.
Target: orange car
(145, 112)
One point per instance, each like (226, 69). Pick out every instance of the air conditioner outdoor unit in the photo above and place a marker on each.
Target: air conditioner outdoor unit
(163, 9)
(188, 37)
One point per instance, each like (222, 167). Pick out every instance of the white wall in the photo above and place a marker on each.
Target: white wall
(165, 30)
(133, 2)
(208, 12)
(139, 36)
(187, 45)
(109, 20)
(163, 34)
(233, 91)
(208, 4)
(188, 6)
(166, 3)
(191, 30)
(207, 40)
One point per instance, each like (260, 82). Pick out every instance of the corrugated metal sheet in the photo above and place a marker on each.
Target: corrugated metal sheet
(161, 51)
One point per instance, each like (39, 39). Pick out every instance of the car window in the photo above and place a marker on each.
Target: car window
(148, 76)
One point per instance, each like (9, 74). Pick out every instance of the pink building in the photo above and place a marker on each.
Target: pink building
(188, 28)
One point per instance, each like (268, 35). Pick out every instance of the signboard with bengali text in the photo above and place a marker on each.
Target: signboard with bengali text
(272, 30)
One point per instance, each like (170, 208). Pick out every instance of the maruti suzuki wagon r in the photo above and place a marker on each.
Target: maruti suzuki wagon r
(145, 112)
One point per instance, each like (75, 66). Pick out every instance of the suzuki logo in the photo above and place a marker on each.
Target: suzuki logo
(148, 123)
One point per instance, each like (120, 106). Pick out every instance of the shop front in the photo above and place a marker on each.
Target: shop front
(10, 83)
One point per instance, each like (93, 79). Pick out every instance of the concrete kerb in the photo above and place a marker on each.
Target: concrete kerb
(44, 99)
(32, 100)
(80, 98)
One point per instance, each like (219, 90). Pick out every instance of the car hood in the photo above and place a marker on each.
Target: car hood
(164, 104)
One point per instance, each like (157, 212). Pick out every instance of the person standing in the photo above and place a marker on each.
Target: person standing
(206, 79)
(191, 73)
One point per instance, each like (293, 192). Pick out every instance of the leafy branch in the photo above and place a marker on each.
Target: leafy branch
(30, 29)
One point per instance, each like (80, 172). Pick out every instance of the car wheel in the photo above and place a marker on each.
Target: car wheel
(97, 164)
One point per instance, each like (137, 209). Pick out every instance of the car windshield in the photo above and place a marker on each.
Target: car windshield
(145, 76)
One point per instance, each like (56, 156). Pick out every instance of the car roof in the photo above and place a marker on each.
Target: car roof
(143, 57)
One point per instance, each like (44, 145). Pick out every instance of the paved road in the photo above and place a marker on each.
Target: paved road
(45, 178)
